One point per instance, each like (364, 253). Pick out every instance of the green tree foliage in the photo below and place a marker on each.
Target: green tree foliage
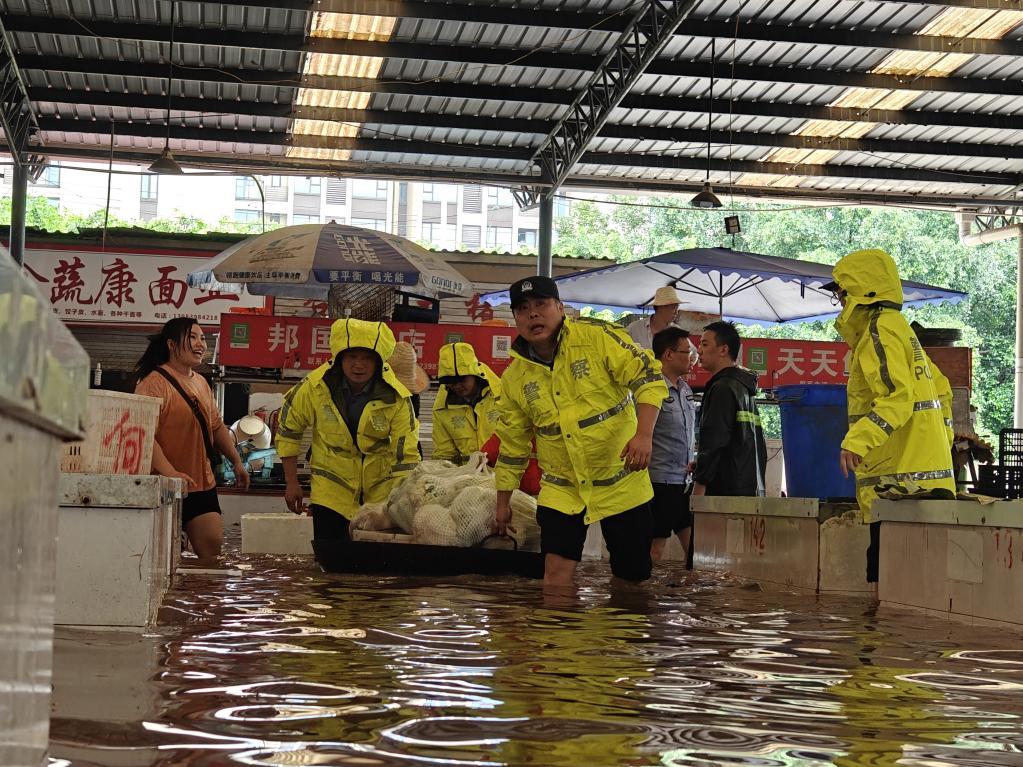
(42, 213)
(925, 245)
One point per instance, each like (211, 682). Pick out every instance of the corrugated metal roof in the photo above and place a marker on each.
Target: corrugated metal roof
(857, 98)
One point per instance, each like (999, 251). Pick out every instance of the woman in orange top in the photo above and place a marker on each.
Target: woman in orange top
(167, 371)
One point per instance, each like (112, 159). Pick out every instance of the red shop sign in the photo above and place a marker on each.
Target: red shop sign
(303, 343)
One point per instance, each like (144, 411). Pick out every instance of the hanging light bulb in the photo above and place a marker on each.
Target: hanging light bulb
(706, 198)
(166, 163)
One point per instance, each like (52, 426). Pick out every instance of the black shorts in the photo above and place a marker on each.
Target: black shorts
(670, 508)
(198, 503)
(329, 525)
(627, 534)
(874, 553)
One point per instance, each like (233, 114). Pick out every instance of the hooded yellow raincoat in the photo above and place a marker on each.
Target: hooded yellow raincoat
(460, 429)
(348, 472)
(900, 404)
(582, 412)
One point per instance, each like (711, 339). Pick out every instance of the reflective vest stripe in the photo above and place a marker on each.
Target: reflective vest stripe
(914, 476)
(552, 480)
(549, 431)
(507, 459)
(612, 480)
(927, 404)
(330, 476)
(882, 357)
(289, 434)
(747, 416)
(609, 413)
(878, 421)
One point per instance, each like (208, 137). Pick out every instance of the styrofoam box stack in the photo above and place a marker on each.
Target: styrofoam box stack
(119, 434)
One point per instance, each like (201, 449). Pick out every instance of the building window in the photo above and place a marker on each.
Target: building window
(527, 238)
(562, 207)
(245, 189)
(277, 219)
(378, 224)
(428, 193)
(499, 197)
(307, 185)
(431, 232)
(499, 237)
(367, 189)
(246, 216)
(50, 176)
(301, 218)
(54, 201)
(277, 182)
(470, 235)
(150, 184)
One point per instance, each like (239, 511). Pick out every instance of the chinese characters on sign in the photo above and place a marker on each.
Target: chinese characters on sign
(303, 343)
(144, 289)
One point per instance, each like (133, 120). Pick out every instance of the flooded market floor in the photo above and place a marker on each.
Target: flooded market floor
(284, 665)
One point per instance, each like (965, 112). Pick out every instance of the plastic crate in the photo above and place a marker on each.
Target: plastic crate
(1000, 481)
(1010, 447)
(119, 434)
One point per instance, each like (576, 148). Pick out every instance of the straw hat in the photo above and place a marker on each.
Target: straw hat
(665, 296)
(403, 364)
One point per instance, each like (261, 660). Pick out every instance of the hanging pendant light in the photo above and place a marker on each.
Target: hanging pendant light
(165, 163)
(706, 198)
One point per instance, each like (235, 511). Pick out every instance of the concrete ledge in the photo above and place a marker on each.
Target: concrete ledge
(277, 534)
(969, 573)
(146, 491)
(998, 514)
(751, 506)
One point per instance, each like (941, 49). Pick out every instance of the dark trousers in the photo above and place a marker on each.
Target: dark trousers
(329, 525)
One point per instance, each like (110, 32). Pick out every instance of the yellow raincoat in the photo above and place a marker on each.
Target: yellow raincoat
(460, 429)
(900, 404)
(345, 472)
(582, 413)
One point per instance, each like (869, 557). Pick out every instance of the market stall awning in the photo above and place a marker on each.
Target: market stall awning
(745, 287)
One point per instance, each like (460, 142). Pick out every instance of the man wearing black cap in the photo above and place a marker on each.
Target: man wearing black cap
(590, 397)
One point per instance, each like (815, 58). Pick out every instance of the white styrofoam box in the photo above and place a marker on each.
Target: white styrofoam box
(119, 434)
(285, 533)
(28, 516)
(957, 559)
(117, 548)
(234, 503)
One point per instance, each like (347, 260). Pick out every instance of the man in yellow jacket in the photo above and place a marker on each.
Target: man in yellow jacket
(900, 404)
(590, 397)
(466, 411)
(365, 435)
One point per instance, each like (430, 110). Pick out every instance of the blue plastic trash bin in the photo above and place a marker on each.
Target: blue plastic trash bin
(814, 421)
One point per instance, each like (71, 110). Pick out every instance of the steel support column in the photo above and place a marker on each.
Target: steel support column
(19, 202)
(545, 261)
(640, 43)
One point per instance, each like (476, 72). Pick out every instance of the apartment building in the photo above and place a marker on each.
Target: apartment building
(446, 216)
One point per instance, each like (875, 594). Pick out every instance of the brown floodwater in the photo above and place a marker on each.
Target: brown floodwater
(285, 665)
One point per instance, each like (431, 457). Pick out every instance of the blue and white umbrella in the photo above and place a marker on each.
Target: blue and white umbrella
(303, 261)
(745, 287)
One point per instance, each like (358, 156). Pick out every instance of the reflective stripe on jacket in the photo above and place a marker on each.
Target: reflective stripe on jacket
(899, 402)
(582, 413)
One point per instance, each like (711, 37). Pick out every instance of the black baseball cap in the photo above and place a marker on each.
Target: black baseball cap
(535, 287)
